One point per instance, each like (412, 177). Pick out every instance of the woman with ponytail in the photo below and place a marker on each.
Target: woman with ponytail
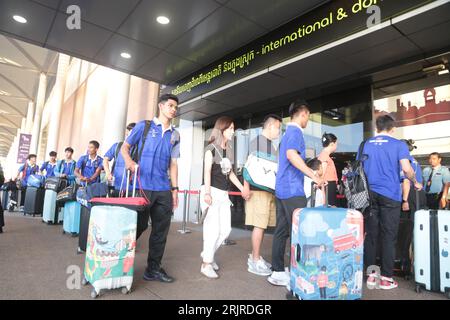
(329, 143)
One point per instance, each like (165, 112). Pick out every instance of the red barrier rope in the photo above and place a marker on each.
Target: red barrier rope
(236, 193)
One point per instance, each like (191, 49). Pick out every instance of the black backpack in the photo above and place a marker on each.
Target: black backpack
(355, 182)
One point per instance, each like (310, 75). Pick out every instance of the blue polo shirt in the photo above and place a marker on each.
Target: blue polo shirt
(67, 168)
(290, 180)
(160, 147)
(441, 176)
(29, 171)
(417, 170)
(88, 166)
(119, 166)
(382, 166)
(49, 169)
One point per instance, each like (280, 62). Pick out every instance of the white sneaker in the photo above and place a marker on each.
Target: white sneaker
(215, 266)
(250, 261)
(279, 278)
(259, 268)
(209, 272)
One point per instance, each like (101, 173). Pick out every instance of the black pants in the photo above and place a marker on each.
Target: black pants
(283, 229)
(332, 192)
(160, 212)
(384, 218)
(22, 196)
(433, 200)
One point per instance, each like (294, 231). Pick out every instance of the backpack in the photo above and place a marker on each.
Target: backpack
(118, 147)
(356, 186)
(138, 152)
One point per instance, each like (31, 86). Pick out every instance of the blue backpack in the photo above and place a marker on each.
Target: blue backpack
(35, 181)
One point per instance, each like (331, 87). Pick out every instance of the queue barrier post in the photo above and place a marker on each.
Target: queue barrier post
(184, 229)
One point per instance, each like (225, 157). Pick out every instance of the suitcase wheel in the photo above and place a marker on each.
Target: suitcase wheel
(125, 290)
(94, 294)
(418, 288)
(79, 251)
(84, 282)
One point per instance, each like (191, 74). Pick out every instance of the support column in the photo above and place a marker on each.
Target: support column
(116, 108)
(30, 117)
(40, 101)
(58, 96)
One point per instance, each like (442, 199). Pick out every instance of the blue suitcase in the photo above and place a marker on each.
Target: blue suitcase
(327, 254)
(71, 224)
(51, 213)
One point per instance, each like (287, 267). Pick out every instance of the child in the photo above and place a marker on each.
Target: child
(316, 165)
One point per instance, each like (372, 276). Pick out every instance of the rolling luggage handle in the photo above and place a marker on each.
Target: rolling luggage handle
(313, 194)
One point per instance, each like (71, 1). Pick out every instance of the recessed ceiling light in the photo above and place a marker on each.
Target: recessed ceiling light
(4, 93)
(163, 20)
(442, 72)
(125, 55)
(19, 19)
(335, 118)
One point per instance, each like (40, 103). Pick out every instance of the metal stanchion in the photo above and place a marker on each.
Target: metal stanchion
(183, 229)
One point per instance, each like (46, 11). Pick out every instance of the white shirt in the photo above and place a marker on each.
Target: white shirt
(319, 194)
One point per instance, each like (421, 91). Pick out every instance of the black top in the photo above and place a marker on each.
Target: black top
(261, 144)
(218, 179)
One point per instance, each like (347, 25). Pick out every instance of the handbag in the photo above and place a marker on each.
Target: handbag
(260, 170)
(67, 194)
(55, 183)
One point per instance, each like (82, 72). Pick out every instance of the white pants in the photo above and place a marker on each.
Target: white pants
(217, 224)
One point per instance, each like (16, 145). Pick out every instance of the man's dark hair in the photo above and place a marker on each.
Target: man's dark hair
(385, 123)
(328, 138)
(298, 106)
(53, 154)
(69, 149)
(95, 143)
(166, 97)
(271, 117)
(31, 156)
(435, 154)
(410, 144)
(131, 125)
(314, 164)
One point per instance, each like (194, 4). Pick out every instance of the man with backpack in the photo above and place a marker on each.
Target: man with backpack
(116, 176)
(25, 171)
(66, 168)
(383, 159)
(90, 165)
(158, 146)
(49, 166)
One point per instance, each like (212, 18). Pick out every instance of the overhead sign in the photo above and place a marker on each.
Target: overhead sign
(325, 24)
(24, 148)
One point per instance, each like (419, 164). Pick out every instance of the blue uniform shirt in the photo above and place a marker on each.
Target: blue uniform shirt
(382, 166)
(441, 176)
(159, 148)
(417, 170)
(88, 166)
(29, 171)
(119, 167)
(67, 168)
(290, 180)
(49, 169)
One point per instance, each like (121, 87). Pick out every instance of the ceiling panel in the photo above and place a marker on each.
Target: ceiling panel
(167, 66)
(140, 53)
(48, 3)
(39, 19)
(216, 36)
(269, 13)
(141, 24)
(105, 13)
(85, 42)
(432, 38)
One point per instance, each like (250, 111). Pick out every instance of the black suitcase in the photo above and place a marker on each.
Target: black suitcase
(84, 229)
(34, 201)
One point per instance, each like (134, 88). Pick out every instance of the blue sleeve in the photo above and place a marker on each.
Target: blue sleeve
(110, 154)
(176, 145)
(100, 165)
(136, 134)
(72, 176)
(21, 168)
(57, 167)
(403, 152)
(419, 173)
(446, 175)
(80, 163)
(293, 142)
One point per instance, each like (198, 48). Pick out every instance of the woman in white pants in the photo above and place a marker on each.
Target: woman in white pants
(214, 201)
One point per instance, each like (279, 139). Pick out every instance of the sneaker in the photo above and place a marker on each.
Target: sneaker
(388, 283)
(209, 272)
(259, 268)
(279, 278)
(215, 266)
(250, 261)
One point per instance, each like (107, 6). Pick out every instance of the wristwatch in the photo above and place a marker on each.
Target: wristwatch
(175, 188)
(404, 201)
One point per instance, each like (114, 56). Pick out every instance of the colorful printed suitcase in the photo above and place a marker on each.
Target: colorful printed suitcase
(110, 251)
(51, 213)
(327, 254)
(432, 250)
(71, 223)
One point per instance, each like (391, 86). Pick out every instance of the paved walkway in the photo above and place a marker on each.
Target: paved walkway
(34, 258)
